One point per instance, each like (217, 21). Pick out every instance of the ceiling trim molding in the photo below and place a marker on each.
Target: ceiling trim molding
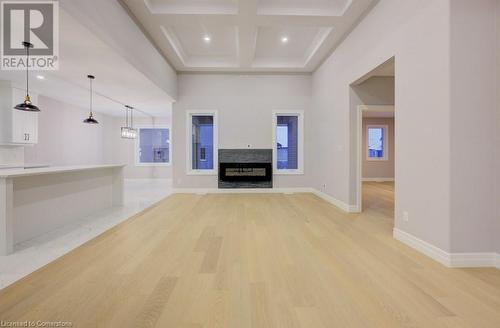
(333, 27)
(243, 73)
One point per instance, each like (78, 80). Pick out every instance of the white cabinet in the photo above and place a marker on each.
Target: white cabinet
(24, 127)
(31, 126)
(24, 124)
(16, 127)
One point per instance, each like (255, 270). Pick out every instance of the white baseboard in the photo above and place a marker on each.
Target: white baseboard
(422, 246)
(354, 209)
(473, 260)
(378, 179)
(202, 191)
(340, 204)
(451, 260)
(148, 179)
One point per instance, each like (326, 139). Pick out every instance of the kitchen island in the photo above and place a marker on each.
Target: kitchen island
(38, 200)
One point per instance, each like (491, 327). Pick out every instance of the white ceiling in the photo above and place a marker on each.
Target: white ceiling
(83, 53)
(387, 69)
(303, 7)
(245, 35)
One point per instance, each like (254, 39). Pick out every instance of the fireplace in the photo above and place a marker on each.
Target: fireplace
(245, 168)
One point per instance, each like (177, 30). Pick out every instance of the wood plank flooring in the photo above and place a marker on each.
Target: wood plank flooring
(255, 260)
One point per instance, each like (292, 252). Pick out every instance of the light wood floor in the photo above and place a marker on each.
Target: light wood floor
(258, 260)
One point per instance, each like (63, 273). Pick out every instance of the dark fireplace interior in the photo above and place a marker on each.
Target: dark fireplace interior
(245, 168)
(245, 171)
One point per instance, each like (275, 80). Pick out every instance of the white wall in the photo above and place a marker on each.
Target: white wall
(11, 155)
(497, 165)
(379, 169)
(245, 104)
(417, 34)
(474, 204)
(65, 140)
(445, 165)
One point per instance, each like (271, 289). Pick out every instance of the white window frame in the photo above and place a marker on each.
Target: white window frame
(300, 160)
(385, 146)
(189, 146)
(138, 140)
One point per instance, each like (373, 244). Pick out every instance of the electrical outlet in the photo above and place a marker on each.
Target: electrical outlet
(405, 216)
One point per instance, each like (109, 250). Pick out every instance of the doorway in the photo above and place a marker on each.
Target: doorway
(373, 139)
(375, 158)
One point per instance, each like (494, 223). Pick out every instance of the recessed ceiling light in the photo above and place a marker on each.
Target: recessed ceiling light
(284, 39)
(207, 38)
(40, 77)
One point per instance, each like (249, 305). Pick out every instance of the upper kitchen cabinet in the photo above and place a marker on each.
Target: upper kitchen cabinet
(16, 127)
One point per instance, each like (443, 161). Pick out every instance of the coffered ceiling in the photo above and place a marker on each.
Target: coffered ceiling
(247, 35)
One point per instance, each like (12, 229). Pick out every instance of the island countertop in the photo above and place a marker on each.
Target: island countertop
(35, 201)
(21, 172)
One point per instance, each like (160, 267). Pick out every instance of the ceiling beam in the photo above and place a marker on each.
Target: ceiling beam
(247, 32)
(190, 20)
(295, 20)
(252, 19)
(114, 26)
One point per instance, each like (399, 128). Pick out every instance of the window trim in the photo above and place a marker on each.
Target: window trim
(137, 143)
(300, 161)
(385, 146)
(189, 146)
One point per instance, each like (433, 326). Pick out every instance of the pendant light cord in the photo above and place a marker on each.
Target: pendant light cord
(106, 97)
(91, 114)
(27, 70)
(131, 118)
(131, 109)
(126, 117)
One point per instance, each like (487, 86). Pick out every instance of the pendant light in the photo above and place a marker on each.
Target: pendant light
(26, 105)
(90, 119)
(128, 132)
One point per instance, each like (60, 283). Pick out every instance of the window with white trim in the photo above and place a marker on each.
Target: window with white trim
(376, 143)
(202, 142)
(288, 141)
(153, 146)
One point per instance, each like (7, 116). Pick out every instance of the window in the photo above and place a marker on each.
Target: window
(288, 142)
(153, 146)
(376, 142)
(202, 142)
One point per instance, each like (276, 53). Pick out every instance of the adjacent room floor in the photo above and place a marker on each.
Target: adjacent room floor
(255, 260)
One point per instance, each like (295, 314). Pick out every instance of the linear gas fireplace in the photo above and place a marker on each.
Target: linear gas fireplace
(245, 168)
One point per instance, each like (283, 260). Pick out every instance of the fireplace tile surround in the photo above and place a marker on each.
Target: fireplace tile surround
(245, 168)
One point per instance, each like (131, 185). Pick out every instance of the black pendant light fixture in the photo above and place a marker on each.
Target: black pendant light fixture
(91, 119)
(26, 105)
